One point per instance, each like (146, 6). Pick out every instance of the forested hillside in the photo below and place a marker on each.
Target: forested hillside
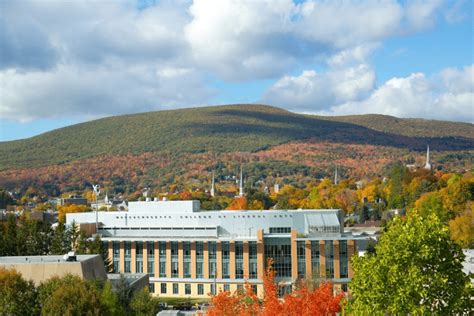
(232, 128)
(181, 147)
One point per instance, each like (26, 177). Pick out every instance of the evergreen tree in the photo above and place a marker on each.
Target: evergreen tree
(61, 240)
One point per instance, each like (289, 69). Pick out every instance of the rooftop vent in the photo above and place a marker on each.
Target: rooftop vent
(70, 256)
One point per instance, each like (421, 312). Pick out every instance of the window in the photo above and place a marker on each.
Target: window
(280, 230)
(254, 289)
(240, 288)
(151, 287)
(187, 289)
(200, 289)
(280, 251)
(227, 287)
(239, 260)
(162, 258)
(315, 263)
(139, 257)
(213, 289)
(187, 259)
(344, 269)
(199, 259)
(300, 251)
(128, 256)
(175, 288)
(150, 258)
(163, 288)
(225, 260)
(329, 252)
(116, 256)
(252, 259)
(212, 249)
(174, 260)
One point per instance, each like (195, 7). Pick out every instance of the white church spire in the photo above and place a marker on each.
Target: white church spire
(428, 164)
(241, 183)
(213, 192)
(336, 178)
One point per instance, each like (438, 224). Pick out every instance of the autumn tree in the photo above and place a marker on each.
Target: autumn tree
(17, 296)
(72, 208)
(304, 301)
(416, 269)
(462, 228)
(238, 203)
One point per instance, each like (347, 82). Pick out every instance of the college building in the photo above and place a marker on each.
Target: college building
(188, 252)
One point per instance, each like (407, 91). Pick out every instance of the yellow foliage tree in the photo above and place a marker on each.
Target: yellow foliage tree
(462, 227)
(72, 208)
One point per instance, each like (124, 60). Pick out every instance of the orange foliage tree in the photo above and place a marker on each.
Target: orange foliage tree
(304, 301)
(238, 203)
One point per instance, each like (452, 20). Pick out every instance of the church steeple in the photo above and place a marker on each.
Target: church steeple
(241, 183)
(428, 164)
(213, 192)
(336, 178)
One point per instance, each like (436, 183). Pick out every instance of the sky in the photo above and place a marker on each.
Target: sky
(65, 62)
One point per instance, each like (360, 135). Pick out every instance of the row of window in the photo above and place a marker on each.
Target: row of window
(200, 288)
(199, 216)
(280, 253)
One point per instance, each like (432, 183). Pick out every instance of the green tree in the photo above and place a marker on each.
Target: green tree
(143, 304)
(10, 237)
(110, 301)
(61, 240)
(96, 246)
(416, 269)
(72, 296)
(17, 296)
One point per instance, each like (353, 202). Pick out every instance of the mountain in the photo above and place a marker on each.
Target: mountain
(228, 128)
(181, 148)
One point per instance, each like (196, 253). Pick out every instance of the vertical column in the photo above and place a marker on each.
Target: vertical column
(193, 259)
(351, 250)
(219, 259)
(206, 260)
(322, 258)
(122, 257)
(157, 259)
(294, 256)
(145, 257)
(168, 259)
(133, 259)
(260, 255)
(111, 251)
(337, 261)
(307, 256)
(180, 260)
(232, 259)
(246, 260)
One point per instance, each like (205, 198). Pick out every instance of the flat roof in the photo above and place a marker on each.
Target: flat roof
(42, 259)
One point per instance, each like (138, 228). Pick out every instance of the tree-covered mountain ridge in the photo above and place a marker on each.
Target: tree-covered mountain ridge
(226, 129)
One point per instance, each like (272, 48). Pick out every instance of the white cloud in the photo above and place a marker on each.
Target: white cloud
(448, 95)
(63, 58)
(312, 91)
(71, 90)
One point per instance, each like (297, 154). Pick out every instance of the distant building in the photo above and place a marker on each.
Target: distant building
(41, 268)
(87, 267)
(190, 253)
(73, 199)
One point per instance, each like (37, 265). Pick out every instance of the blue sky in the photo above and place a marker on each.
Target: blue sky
(67, 62)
